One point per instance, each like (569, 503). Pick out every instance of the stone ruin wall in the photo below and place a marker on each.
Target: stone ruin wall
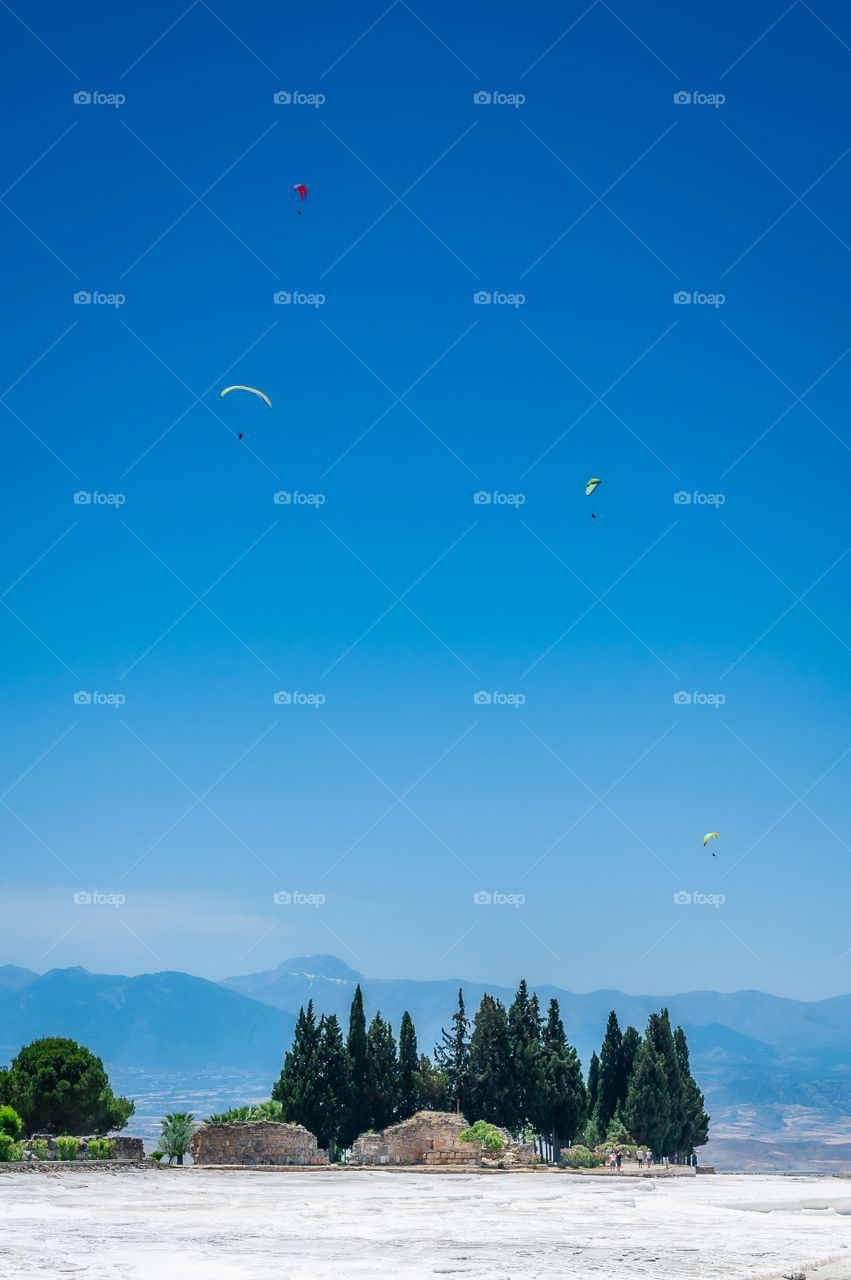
(255, 1142)
(434, 1138)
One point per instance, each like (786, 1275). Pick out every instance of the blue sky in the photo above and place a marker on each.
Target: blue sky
(391, 593)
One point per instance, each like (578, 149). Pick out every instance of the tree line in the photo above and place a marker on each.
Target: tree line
(511, 1067)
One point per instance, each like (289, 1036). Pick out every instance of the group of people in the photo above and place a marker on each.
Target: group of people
(645, 1158)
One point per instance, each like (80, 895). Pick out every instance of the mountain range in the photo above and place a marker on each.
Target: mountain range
(774, 1070)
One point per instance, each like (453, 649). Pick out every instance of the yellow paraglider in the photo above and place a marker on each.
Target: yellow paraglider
(253, 390)
(710, 835)
(591, 486)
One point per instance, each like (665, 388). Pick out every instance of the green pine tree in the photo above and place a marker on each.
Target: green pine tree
(488, 1087)
(452, 1052)
(611, 1086)
(297, 1089)
(524, 1026)
(408, 1067)
(358, 1119)
(564, 1103)
(382, 1073)
(630, 1045)
(659, 1030)
(648, 1108)
(335, 1085)
(695, 1129)
(593, 1084)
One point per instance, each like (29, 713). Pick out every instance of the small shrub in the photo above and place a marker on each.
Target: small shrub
(156, 1155)
(100, 1149)
(486, 1134)
(39, 1146)
(10, 1150)
(581, 1158)
(67, 1148)
(10, 1122)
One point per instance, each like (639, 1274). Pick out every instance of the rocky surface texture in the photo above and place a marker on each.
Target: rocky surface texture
(126, 1148)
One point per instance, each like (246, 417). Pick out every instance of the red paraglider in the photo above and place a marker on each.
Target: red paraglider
(302, 191)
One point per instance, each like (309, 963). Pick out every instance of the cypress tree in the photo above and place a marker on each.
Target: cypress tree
(452, 1052)
(408, 1067)
(564, 1103)
(695, 1129)
(593, 1083)
(630, 1045)
(648, 1108)
(659, 1031)
(611, 1085)
(358, 1120)
(488, 1087)
(382, 1073)
(524, 1025)
(298, 1085)
(335, 1083)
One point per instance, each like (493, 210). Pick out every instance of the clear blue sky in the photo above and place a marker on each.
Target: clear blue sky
(397, 399)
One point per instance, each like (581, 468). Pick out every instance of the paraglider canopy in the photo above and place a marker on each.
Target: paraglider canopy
(253, 391)
(591, 486)
(710, 835)
(301, 189)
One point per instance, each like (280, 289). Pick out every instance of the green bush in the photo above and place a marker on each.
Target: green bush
(176, 1130)
(486, 1134)
(271, 1110)
(156, 1155)
(10, 1122)
(100, 1149)
(39, 1146)
(67, 1148)
(10, 1150)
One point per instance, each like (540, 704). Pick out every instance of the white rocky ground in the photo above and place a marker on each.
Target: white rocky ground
(302, 1225)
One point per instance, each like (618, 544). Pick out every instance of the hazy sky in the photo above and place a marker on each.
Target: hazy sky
(581, 198)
